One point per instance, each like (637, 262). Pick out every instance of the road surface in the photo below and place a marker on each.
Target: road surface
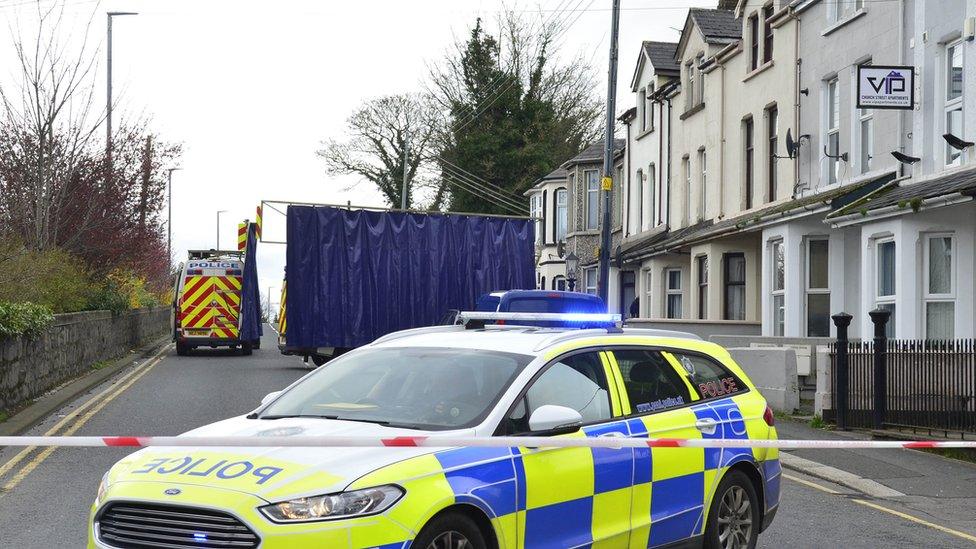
(45, 495)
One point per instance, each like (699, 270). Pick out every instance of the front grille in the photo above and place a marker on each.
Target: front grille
(132, 525)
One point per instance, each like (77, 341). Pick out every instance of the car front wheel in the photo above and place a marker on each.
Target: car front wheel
(450, 531)
(734, 516)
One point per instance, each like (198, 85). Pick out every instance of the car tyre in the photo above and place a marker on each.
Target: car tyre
(319, 360)
(734, 517)
(450, 531)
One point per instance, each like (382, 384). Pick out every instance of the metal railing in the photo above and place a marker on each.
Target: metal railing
(922, 385)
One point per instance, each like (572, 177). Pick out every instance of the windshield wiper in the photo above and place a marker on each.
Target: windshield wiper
(383, 422)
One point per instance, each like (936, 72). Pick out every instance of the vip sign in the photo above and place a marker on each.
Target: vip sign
(885, 87)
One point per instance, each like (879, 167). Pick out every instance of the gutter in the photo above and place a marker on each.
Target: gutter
(895, 210)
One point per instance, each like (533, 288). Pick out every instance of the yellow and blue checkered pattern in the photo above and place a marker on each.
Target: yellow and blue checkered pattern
(579, 497)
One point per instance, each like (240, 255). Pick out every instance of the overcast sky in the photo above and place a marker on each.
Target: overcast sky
(251, 87)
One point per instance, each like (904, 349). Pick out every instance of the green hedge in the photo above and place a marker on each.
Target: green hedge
(23, 318)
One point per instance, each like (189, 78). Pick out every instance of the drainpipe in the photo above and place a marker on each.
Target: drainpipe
(796, 94)
(659, 178)
(668, 198)
(721, 151)
(901, 61)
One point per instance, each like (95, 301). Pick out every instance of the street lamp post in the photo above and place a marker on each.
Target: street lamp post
(218, 227)
(169, 214)
(108, 95)
(572, 264)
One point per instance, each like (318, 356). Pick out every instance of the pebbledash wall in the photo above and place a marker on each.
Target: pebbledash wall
(30, 366)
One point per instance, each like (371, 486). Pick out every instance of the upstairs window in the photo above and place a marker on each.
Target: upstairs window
(767, 34)
(617, 200)
(833, 130)
(649, 107)
(651, 197)
(753, 42)
(703, 184)
(535, 206)
(561, 214)
(772, 135)
(642, 109)
(639, 199)
(592, 181)
(748, 159)
(690, 78)
(953, 101)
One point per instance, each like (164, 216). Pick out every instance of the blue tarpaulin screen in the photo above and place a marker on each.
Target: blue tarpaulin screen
(250, 291)
(355, 275)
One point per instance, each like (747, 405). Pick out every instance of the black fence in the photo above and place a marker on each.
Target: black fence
(923, 385)
(930, 385)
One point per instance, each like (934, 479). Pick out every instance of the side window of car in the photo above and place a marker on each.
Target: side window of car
(652, 383)
(578, 382)
(710, 378)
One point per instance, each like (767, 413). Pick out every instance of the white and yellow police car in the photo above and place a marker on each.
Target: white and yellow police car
(471, 381)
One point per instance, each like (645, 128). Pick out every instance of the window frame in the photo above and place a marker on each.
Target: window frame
(927, 295)
(701, 268)
(772, 142)
(687, 167)
(953, 157)
(768, 39)
(832, 126)
(649, 107)
(809, 290)
(640, 200)
(561, 221)
(864, 118)
(702, 185)
(648, 292)
(594, 196)
(690, 79)
(753, 24)
(777, 293)
(886, 301)
(596, 281)
(557, 281)
(673, 292)
(642, 109)
(535, 210)
(748, 157)
(726, 284)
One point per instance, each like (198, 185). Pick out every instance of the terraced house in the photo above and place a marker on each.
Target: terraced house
(758, 197)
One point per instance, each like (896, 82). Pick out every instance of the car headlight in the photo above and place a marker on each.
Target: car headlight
(102, 487)
(357, 503)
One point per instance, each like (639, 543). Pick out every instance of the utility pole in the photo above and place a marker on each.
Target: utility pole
(169, 216)
(108, 92)
(406, 152)
(607, 181)
(218, 227)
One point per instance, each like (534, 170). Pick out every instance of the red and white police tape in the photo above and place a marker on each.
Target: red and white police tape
(453, 442)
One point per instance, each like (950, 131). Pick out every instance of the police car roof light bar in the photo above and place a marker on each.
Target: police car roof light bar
(465, 317)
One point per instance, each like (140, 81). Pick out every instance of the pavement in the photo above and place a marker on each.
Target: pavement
(45, 494)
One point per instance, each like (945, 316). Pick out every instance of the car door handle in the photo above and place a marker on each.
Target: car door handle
(707, 426)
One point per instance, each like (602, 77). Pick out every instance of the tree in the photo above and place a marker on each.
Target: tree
(515, 112)
(378, 132)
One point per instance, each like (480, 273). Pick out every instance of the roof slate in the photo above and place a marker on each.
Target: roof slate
(662, 56)
(904, 192)
(594, 152)
(718, 26)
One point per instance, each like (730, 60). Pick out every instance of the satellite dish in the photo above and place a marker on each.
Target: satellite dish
(904, 158)
(956, 143)
(791, 146)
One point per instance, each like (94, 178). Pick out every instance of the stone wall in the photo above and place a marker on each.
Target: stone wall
(74, 342)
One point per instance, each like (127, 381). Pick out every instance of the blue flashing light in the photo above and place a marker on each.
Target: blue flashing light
(198, 536)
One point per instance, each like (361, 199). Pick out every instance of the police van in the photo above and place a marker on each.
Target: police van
(207, 302)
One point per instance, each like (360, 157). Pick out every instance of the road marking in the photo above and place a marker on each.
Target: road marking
(911, 518)
(813, 485)
(96, 403)
(884, 509)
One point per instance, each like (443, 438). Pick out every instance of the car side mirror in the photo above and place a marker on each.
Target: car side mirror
(269, 397)
(555, 420)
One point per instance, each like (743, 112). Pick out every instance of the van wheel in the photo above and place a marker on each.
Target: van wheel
(450, 531)
(319, 360)
(182, 349)
(734, 515)
(246, 348)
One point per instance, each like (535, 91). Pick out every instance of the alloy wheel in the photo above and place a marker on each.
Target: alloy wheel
(735, 519)
(450, 540)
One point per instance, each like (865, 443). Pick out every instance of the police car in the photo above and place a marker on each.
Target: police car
(472, 380)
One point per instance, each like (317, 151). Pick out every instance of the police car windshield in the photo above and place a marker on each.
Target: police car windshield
(420, 388)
